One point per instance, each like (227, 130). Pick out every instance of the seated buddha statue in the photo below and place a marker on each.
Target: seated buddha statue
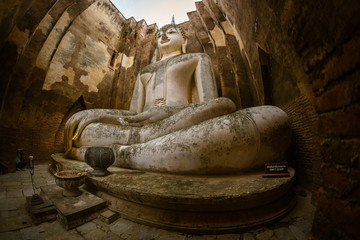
(177, 123)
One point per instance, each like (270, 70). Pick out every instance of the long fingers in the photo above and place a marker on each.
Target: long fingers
(139, 117)
(89, 118)
(78, 131)
(70, 126)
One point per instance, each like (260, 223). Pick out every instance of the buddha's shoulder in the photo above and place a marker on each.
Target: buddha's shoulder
(192, 55)
(153, 67)
(188, 57)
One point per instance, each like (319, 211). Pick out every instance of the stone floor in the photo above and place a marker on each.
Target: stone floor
(15, 222)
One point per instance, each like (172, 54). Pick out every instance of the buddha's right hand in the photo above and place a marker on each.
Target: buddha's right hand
(77, 122)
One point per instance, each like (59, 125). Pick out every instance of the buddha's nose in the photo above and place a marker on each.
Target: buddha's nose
(164, 36)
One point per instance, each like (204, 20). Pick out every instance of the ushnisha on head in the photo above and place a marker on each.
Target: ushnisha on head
(171, 40)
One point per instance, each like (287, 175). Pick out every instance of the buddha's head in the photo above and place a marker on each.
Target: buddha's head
(171, 38)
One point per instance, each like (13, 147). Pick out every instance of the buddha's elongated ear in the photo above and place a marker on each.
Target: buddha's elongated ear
(183, 46)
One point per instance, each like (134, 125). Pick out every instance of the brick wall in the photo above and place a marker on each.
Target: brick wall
(304, 153)
(337, 92)
(313, 46)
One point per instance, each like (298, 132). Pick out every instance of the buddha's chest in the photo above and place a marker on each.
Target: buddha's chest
(169, 74)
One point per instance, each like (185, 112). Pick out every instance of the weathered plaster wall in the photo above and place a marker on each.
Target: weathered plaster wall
(56, 53)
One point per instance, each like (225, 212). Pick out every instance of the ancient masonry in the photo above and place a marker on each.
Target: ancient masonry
(61, 56)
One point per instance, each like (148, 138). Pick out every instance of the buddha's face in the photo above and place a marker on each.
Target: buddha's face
(170, 40)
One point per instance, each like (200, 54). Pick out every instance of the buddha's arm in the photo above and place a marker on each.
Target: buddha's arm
(207, 91)
(154, 114)
(138, 97)
(210, 105)
(78, 121)
(205, 79)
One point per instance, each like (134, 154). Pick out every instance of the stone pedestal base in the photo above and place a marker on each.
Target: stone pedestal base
(42, 212)
(74, 211)
(194, 204)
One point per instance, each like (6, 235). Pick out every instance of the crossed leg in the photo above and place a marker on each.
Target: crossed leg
(105, 134)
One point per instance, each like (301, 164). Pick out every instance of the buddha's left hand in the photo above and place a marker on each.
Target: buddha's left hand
(154, 114)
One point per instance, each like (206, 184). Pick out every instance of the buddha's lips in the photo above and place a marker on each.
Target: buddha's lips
(164, 41)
